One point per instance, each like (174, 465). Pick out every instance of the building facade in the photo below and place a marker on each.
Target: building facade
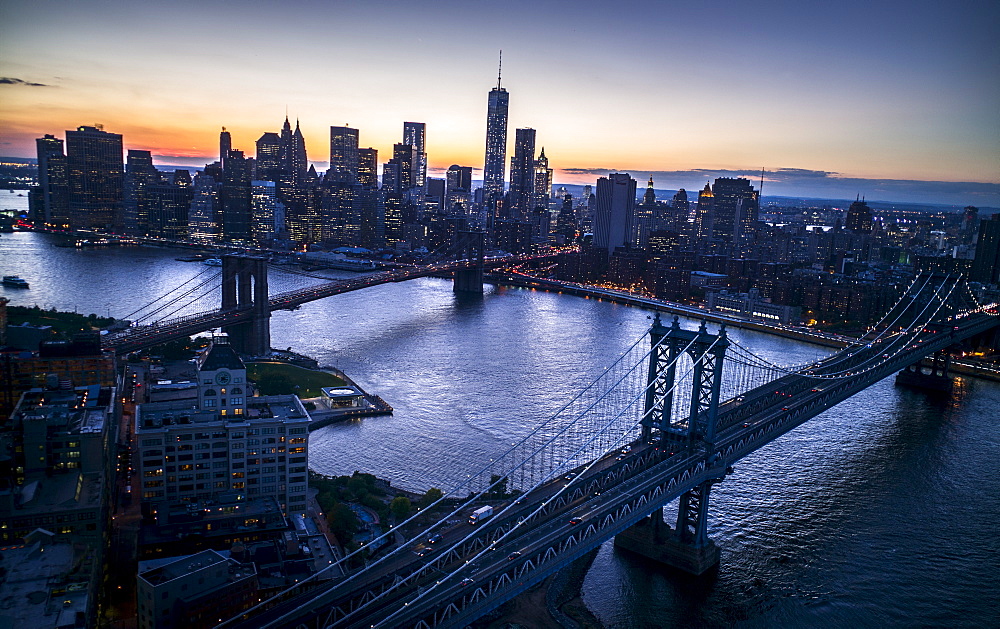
(224, 441)
(95, 174)
(615, 211)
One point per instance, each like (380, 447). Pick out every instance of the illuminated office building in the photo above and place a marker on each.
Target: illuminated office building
(415, 134)
(96, 174)
(522, 175)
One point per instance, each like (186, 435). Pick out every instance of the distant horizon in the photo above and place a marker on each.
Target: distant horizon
(911, 192)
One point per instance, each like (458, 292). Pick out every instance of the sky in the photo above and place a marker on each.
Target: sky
(896, 101)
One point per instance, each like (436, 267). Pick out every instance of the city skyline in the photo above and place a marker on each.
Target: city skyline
(829, 102)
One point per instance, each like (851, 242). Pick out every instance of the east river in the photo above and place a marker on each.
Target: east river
(883, 511)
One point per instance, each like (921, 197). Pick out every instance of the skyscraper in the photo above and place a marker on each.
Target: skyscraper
(225, 145)
(236, 199)
(269, 157)
(368, 168)
(406, 159)
(52, 179)
(522, 175)
(986, 265)
(140, 175)
(268, 214)
(703, 213)
(734, 209)
(859, 217)
(344, 153)
(95, 172)
(543, 181)
(414, 134)
(458, 186)
(496, 145)
(298, 161)
(615, 210)
(642, 223)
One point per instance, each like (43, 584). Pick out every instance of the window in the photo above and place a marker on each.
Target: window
(209, 403)
(236, 401)
(237, 391)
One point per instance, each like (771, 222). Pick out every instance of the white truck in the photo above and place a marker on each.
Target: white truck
(480, 514)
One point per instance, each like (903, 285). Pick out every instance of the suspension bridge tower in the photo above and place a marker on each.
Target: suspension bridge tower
(470, 246)
(244, 287)
(686, 547)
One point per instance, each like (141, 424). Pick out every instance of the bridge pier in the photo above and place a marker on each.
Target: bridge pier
(931, 375)
(470, 246)
(244, 285)
(686, 548)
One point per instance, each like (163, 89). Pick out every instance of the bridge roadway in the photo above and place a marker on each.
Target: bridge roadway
(139, 337)
(472, 570)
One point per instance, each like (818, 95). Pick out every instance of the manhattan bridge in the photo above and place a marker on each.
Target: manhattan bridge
(667, 421)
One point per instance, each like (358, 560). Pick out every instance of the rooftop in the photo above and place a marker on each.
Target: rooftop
(220, 355)
(45, 586)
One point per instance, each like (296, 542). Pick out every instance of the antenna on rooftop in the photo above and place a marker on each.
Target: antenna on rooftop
(499, 68)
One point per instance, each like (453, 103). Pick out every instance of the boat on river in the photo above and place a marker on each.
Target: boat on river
(14, 281)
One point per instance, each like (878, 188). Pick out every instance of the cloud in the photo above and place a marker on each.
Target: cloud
(822, 184)
(8, 80)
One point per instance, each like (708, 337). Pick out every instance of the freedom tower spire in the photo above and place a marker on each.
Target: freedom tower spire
(496, 145)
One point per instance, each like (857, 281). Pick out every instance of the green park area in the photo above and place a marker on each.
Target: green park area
(63, 324)
(336, 494)
(282, 379)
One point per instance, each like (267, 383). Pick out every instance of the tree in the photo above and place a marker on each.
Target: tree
(433, 495)
(343, 522)
(400, 507)
(499, 485)
(358, 486)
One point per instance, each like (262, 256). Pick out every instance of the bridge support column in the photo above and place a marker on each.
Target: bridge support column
(930, 374)
(686, 548)
(244, 285)
(470, 246)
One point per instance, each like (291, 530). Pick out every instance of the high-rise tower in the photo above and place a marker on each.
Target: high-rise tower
(225, 145)
(986, 266)
(96, 174)
(522, 174)
(344, 153)
(269, 157)
(543, 181)
(415, 134)
(54, 210)
(615, 210)
(496, 145)
(859, 217)
(734, 209)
